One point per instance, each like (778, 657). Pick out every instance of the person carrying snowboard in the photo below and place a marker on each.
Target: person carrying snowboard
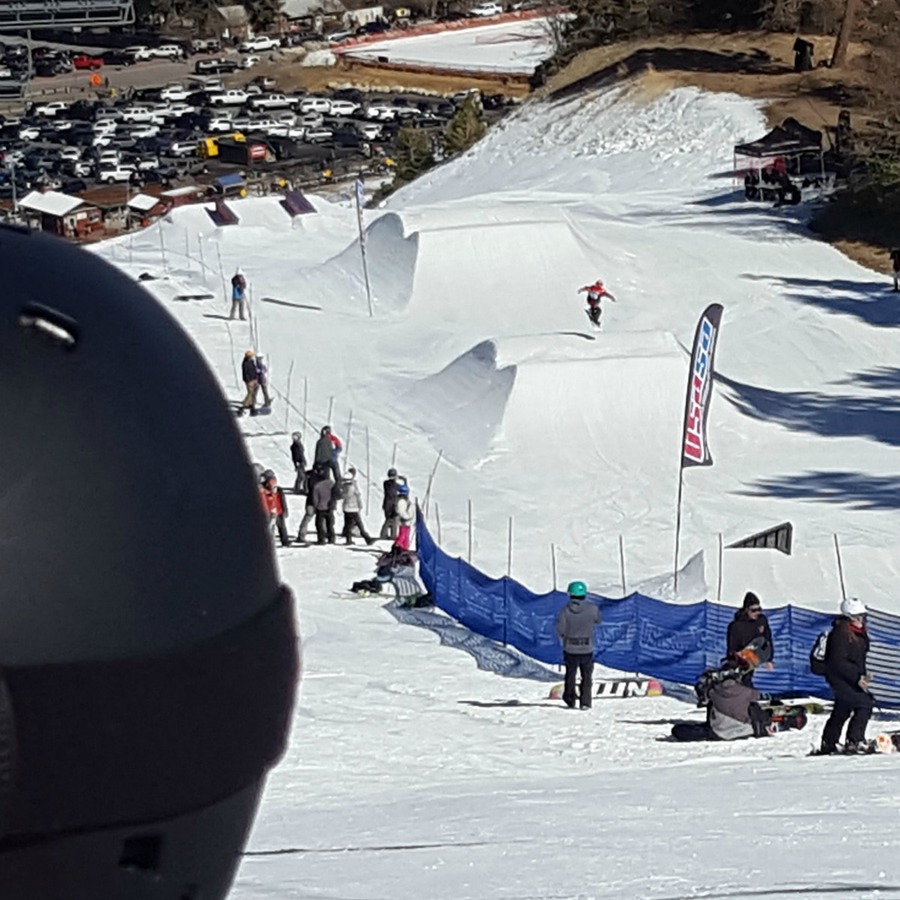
(749, 623)
(238, 294)
(275, 505)
(845, 672)
(595, 294)
(575, 626)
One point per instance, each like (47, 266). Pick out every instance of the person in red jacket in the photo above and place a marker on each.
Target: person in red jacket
(595, 294)
(274, 504)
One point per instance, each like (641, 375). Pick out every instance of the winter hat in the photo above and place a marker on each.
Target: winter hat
(392, 473)
(852, 607)
(296, 436)
(249, 353)
(750, 599)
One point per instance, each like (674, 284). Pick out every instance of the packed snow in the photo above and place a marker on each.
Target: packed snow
(412, 772)
(515, 47)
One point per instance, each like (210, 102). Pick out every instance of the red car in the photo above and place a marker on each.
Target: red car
(83, 61)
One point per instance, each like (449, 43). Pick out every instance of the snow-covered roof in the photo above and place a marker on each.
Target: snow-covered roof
(50, 203)
(185, 191)
(142, 202)
(234, 14)
(297, 9)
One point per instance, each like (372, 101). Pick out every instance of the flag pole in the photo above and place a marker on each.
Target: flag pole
(678, 521)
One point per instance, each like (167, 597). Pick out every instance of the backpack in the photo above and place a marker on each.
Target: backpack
(817, 654)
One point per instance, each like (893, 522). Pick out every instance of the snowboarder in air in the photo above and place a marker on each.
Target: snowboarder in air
(238, 294)
(595, 294)
(575, 626)
(275, 505)
(298, 457)
(845, 671)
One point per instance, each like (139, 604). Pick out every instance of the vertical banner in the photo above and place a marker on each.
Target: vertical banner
(694, 445)
(360, 203)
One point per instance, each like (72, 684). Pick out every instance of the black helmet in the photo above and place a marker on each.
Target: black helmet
(392, 472)
(267, 475)
(126, 654)
(297, 436)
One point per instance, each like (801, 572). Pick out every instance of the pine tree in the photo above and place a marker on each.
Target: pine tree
(262, 13)
(415, 153)
(465, 128)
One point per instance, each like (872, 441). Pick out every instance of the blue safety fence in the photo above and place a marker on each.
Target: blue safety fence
(639, 634)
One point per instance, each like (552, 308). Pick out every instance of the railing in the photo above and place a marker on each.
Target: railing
(18, 14)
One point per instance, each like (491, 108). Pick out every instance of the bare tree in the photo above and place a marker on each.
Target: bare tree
(839, 57)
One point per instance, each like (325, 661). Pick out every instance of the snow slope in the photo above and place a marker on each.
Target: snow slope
(410, 773)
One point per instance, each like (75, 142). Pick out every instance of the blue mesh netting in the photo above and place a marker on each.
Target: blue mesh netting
(640, 634)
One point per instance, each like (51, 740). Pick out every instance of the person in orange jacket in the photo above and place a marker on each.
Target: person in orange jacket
(274, 504)
(595, 293)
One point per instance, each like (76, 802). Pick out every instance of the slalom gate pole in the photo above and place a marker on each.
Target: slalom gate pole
(369, 473)
(431, 479)
(622, 565)
(305, 403)
(221, 273)
(437, 515)
(287, 406)
(509, 545)
(347, 442)
(721, 559)
(553, 563)
(840, 566)
(469, 554)
(330, 410)
(394, 456)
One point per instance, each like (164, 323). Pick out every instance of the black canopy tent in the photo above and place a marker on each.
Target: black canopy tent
(792, 141)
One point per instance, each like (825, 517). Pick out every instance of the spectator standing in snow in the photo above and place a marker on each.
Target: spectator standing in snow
(595, 294)
(405, 514)
(352, 503)
(845, 672)
(238, 294)
(250, 376)
(328, 446)
(748, 624)
(298, 458)
(895, 267)
(575, 626)
(389, 505)
(275, 505)
(323, 500)
(313, 476)
(262, 376)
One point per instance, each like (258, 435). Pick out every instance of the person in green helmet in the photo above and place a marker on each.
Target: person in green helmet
(575, 626)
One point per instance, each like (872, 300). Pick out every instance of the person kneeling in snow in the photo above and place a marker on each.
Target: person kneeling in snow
(397, 567)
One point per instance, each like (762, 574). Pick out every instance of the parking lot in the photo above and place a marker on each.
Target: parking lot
(153, 119)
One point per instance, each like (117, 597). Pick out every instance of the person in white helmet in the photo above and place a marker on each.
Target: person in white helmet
(845, 671)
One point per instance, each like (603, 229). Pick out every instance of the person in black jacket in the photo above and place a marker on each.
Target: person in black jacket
(389, 505)
(845, 671)
(298, 457)
(250, 377)
(748, 624)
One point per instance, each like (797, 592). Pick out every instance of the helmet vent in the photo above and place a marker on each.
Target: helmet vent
(50, 323)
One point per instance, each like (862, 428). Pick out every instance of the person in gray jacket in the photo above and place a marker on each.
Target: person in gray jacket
(323, 500)
(734, 711)
(575, 626)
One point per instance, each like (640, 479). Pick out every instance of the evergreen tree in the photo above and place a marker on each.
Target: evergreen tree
(262, 13)
(415, 153)
(465, 128)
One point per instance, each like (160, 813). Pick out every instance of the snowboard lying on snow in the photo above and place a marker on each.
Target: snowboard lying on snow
(617, 688)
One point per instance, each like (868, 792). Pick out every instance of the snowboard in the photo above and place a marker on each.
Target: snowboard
(811, 709)
(617, 688)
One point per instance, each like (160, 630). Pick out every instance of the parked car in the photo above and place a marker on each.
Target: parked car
(315, 104)
(485, 8)
(343, 107)
(53, 108)
(118, 58)
(205, 45)
(217, 66)
(259, 44)
(229, 97)
(269, 101)
(137, 114)
(371, 131)
(86, 61)
(139, 52)
(248, 62)
(74, 185)
(264, 82)
(115, 174)
(168, 51)
(318, 135)
(220, 125)
(176, 92)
